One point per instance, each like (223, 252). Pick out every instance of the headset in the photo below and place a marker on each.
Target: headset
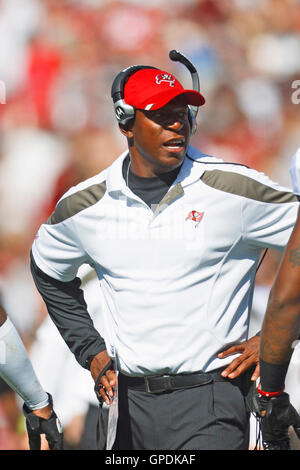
(125, 112)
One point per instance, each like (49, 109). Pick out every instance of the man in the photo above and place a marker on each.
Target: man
(281, 328)
(175, 237)
(17, 371)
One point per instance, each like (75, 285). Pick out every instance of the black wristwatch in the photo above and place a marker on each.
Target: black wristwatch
(88, 361)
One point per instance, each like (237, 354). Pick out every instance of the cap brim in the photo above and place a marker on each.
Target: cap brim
(194, 98)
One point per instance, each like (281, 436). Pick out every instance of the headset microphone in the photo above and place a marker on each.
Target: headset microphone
(176, 56)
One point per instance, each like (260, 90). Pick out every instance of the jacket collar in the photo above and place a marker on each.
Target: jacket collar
(192, 169)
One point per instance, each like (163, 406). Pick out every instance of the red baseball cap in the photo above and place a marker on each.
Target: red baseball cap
(151, 89)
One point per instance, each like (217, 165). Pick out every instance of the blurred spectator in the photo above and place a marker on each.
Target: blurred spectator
(44, 66)
(19, 20)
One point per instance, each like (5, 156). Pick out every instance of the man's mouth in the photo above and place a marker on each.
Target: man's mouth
(177, 143)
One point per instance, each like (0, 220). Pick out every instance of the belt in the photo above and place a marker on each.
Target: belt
(168, 383)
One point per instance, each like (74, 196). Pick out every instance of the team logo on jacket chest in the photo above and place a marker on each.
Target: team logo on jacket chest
(195, 216)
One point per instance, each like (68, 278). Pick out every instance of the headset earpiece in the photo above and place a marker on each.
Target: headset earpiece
(192, 121)
(124, 112)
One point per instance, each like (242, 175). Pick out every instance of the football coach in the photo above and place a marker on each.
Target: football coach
(175, 237)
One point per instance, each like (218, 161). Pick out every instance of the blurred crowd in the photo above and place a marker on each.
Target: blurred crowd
(58, 59)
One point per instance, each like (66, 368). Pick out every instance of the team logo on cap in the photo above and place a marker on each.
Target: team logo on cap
(165, 77)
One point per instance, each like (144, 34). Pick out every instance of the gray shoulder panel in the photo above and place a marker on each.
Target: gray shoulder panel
(242, 185)
(77, 202)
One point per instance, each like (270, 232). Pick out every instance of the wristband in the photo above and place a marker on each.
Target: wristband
(269, 394)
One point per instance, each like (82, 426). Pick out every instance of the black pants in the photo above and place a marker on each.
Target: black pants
(206, 417)
(95, 429)
(89, 436)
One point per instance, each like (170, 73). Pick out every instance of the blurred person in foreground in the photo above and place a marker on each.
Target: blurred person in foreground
(16, 369)
(175, 237)
(280, 330)
(70, 385)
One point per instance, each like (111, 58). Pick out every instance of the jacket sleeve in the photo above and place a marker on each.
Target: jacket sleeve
(68, 310)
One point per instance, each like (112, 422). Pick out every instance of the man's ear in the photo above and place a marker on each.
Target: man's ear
(126, 129)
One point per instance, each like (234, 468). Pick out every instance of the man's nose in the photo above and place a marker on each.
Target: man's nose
(175, 123)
